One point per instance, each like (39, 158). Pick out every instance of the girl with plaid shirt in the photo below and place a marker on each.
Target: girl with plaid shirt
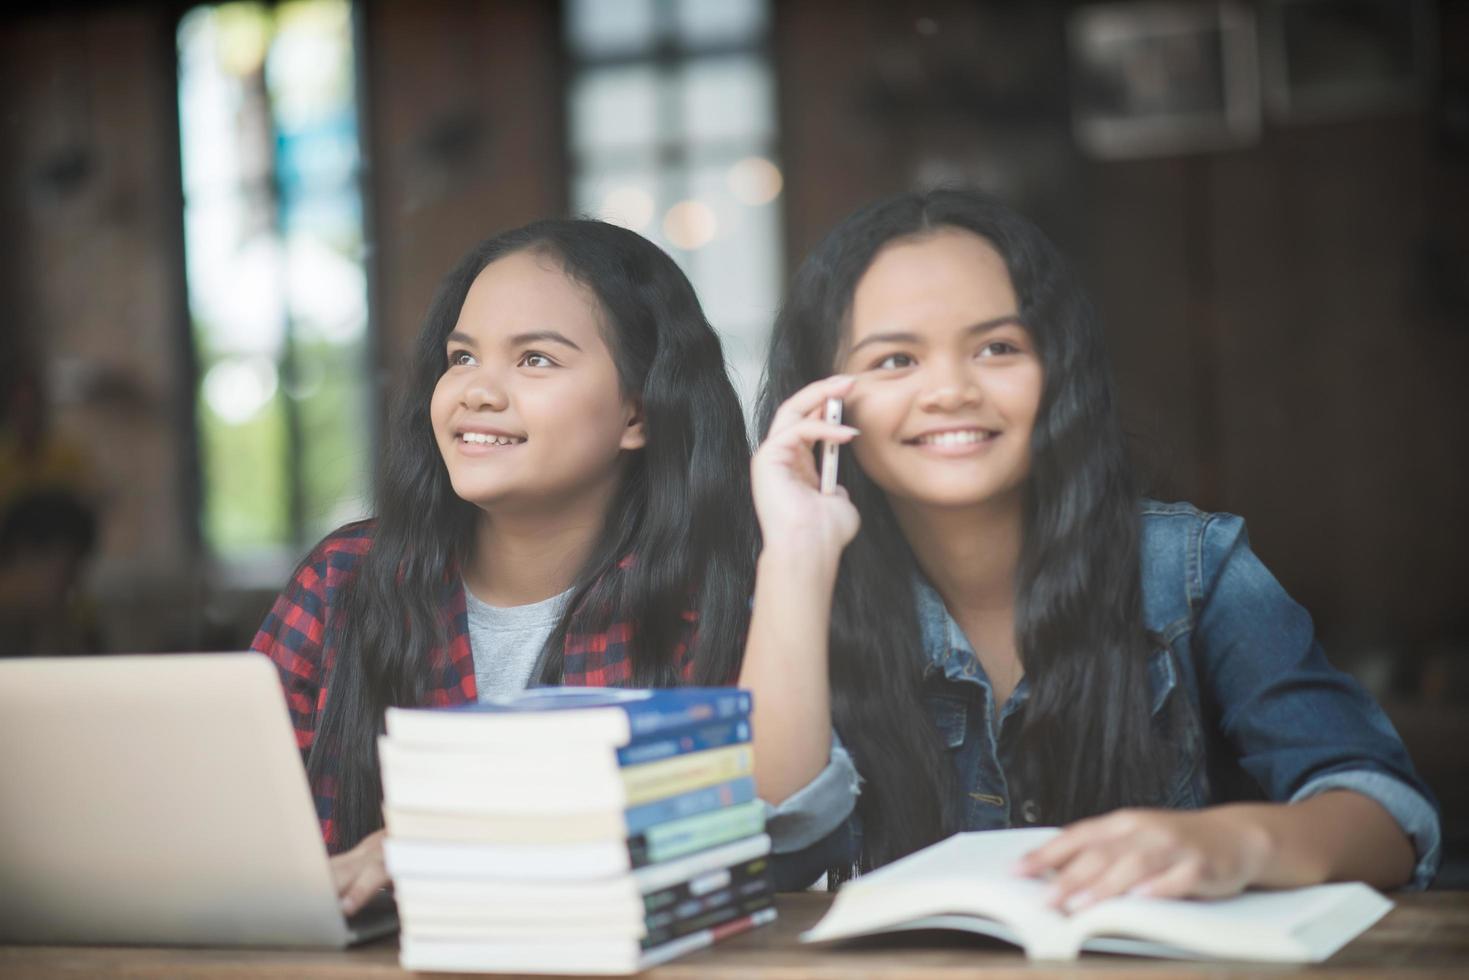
(568, 441)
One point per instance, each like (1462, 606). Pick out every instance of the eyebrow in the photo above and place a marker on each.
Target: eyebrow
(913, 338)
(535, 336)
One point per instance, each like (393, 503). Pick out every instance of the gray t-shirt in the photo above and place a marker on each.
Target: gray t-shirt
(507, 641)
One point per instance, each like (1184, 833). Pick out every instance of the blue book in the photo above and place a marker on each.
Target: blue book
(567, 716)
(669, 744)
(692, 803)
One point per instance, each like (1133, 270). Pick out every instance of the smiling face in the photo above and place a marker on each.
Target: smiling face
(529, 410)
(951, 380)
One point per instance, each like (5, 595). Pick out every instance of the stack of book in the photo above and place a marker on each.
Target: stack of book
(573, 830)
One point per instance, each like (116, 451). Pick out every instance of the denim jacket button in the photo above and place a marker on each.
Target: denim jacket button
(1029, 812)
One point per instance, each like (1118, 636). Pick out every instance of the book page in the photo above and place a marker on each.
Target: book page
(965, 883)
(967, 876)
(1296, 925)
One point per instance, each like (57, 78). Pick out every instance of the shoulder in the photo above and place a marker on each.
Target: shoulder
(354, 540)
(314, 583)
(296, 623)
(339, 552)
(1181, 551)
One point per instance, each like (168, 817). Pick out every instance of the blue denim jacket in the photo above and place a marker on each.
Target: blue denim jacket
(1259, 711)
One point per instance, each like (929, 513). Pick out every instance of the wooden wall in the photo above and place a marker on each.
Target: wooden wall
(1281, 317)
(462, 120)
(93, 280)
(1281, 346)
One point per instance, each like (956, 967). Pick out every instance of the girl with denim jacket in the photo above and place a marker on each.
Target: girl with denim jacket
(1013, 637)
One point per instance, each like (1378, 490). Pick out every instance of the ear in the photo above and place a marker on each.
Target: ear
(634, 435)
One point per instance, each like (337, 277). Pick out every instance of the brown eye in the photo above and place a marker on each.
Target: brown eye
(894, 362)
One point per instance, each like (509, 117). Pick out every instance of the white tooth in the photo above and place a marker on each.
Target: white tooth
(955, 438)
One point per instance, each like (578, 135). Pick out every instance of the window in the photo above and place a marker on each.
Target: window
(672, 134)
(274, 263)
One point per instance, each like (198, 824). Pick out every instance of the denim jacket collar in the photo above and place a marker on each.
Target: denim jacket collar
(950, 653)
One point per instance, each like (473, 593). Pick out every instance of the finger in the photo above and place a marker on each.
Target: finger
(1073, 882)
(344, 871)
(1062, 848)
(367, 884)
(1180, 879)
(810, 398)
(1126, 872)
(808, 432)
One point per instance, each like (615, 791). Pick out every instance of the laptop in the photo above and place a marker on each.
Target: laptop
(161, 800)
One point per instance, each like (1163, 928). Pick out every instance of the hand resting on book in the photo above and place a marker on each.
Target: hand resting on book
(360, 873)
(1220, 851)
(1155, 853)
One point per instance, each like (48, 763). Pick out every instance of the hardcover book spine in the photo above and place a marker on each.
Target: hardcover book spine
(730, 793)
(745, 880)
(683, 708)
(711, 918)
(667, 841)
(704, 937)
(680, 774)
(683, 742)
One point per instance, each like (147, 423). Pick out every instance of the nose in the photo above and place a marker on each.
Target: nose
(949, 390)
(484, 392)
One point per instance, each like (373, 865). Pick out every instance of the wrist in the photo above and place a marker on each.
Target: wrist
(1264, 834)
(787, 559)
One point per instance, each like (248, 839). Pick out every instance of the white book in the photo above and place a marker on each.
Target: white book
(411, 859)
(569, 716)
(965, 883)
(579, 827)
(423, 777)
(700, 874)
(591, 956)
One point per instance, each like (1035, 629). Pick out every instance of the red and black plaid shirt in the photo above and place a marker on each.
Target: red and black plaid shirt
(293, 636)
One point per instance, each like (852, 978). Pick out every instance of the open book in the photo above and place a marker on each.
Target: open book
(965, 883)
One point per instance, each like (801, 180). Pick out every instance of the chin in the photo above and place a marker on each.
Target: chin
(951, 495)
(482, 495)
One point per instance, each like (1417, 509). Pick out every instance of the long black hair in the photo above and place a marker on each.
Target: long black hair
(1086, 743)
(681, 512)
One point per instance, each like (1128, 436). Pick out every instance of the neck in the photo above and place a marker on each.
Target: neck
(526, 555)
(971, 554)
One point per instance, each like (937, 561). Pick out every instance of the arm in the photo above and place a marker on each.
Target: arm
(1337, 836)
(1348, 804)
(804, 533)
(1222, 850)
(293, 637)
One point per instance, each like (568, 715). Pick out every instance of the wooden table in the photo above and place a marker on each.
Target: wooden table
(1427, 935)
